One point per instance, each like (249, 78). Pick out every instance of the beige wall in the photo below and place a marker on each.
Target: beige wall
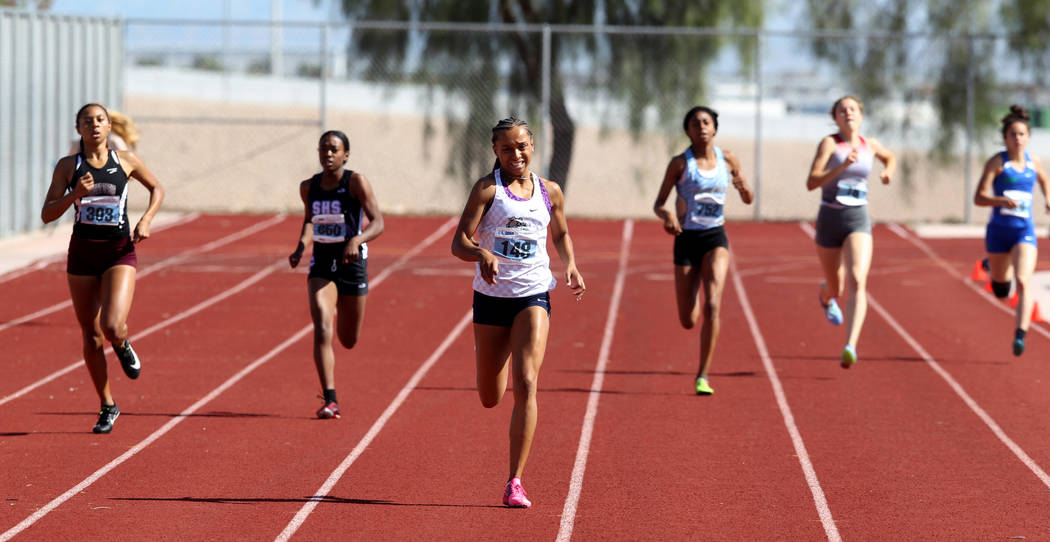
(242, 167)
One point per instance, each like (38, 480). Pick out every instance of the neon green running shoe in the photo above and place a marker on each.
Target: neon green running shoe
(703, 388)
(849, 357)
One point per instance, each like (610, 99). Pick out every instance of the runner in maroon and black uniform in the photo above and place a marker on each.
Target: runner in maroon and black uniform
(101, 264)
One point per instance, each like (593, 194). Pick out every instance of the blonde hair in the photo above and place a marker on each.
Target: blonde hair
(124, 127)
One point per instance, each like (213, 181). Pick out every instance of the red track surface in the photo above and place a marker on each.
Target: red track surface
(896, 451)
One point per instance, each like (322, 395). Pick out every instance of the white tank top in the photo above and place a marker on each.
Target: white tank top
(515, 230)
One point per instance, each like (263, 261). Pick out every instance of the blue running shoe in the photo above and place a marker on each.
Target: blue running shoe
(849, 357)
(831, 311)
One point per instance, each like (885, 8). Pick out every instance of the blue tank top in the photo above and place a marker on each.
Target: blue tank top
(850, 188)
(704, 192)
(1016, 185)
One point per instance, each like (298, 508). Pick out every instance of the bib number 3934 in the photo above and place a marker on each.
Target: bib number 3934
(100, 210)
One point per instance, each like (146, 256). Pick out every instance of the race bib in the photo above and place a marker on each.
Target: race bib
(1024, 204)
(100, 210)
(507, 245)
(708, 209)
(852, 192)
(329, 228)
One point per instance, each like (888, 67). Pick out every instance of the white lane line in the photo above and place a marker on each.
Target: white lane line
(377, 426)
(946, 376)
(819, 500)
(164, 429)
(155, 327)
(903, 234)
(961, 392)
(568, 514)
(54, 258)
(46, 509)
(219, 297)
(155, 267)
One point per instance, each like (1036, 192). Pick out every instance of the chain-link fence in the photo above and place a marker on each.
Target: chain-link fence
(230, 112)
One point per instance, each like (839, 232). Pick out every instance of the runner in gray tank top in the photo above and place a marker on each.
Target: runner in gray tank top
(843, 231)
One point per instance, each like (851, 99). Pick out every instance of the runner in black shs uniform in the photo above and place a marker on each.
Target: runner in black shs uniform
(336, 201)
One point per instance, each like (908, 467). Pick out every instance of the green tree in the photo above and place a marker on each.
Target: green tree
(480, 67)
(36, 4)
(965, 58)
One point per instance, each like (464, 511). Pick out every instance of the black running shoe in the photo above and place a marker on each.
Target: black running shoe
(106, 417)
(129, 360)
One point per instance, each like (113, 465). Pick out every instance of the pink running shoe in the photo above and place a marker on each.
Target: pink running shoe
(514, 495)
(329, 410)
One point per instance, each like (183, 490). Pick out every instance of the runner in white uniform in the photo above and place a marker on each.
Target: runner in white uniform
(701, 176)
(510, 210)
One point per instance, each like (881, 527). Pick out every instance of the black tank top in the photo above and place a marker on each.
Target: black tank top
(324, 204)
(103, 213)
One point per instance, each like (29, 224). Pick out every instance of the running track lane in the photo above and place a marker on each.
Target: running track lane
(269, 308)
(438, 467)
(668, 465)
(899, 455)
(34, 285)
(31, 348)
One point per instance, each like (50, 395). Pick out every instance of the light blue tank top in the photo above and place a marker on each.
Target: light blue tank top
(704, 192)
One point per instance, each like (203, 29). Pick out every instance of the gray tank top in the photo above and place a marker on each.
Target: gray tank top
(850, 188)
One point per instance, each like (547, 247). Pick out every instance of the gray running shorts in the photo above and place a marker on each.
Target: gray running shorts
(833, 225)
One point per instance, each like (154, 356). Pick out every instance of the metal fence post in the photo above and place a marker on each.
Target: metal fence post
(545, 97)
(758, 125)
(968, 166)
(324, 77)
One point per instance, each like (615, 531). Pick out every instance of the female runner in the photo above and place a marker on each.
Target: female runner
(840, 170)
(100, 268)
(1006, 186)
(335, 202)
(701, 175)
(510, 210)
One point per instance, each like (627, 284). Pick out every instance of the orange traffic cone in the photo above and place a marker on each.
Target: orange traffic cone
(979, 274)
(1036, 316)
(988, 286)
(1014, 300)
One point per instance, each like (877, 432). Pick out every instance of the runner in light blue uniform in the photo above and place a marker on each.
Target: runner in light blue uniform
(701, 175)
(1006, 186)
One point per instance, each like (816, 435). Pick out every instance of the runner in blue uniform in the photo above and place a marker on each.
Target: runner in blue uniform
(843, 231)
(335, 203)
(701, 176)
(100, 268)
(1006, 186)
